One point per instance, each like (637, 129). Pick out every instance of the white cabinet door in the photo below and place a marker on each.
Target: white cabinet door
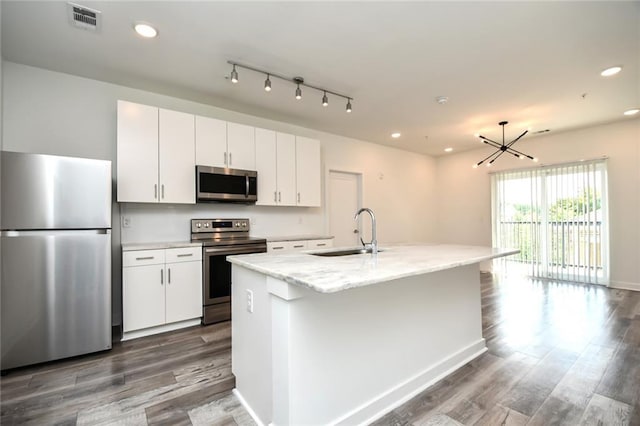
(241, 147)
(184, 291)
(211, 142)
(143, 297)
(286, 169)
(266, 165)
(137, 156)
(177, 157)
(308, 172)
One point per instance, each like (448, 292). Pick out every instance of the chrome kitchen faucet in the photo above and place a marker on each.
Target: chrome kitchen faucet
(374, 241)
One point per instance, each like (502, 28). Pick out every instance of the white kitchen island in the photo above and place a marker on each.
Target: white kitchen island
(343, 340)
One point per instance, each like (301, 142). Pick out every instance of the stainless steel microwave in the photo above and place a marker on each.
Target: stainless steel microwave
(226, 185)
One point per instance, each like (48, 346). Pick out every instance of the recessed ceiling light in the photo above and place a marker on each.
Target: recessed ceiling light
(448, 149)
(611, 71)
(633, 111)
(145, 30)
(395, 135)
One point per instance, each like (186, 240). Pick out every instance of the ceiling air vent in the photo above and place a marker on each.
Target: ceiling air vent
(84, 17)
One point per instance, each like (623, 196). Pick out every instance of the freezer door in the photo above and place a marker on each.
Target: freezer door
(56, 295)
(51, 192)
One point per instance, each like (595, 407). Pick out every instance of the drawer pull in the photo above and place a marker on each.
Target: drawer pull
(185, 255)
(300, 246)
(145, 258)
(278, 248)
(321, 244)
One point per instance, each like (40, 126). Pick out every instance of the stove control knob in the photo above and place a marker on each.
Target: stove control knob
(244, 224)
(198, 225)
(206, 225)
(237, 224)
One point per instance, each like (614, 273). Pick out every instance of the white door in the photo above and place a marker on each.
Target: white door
(177, 153)
(344, 202)
(286, 153)
(266, 167)
(137, 164)
(184, 291)
(143, 296)
(308, 171)
(211, 142)
(241, 146)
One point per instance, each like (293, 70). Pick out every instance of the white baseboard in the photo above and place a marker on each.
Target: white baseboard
(398, 395)
(247, 407)
(624, 285)
(160, 329)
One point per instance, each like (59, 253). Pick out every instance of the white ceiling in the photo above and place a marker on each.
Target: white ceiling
(530, 63)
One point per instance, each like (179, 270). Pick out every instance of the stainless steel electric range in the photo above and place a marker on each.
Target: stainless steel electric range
(220, 238)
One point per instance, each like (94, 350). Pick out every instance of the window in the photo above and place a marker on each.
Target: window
(557, 218)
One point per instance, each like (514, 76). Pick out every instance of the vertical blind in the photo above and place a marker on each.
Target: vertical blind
(557, 216)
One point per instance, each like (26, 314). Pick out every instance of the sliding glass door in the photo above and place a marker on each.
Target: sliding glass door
(557, 218)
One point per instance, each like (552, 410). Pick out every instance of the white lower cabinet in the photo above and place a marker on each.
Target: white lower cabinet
(289, 246)
(160, 287)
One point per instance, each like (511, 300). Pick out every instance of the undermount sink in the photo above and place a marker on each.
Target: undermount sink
(345, 252)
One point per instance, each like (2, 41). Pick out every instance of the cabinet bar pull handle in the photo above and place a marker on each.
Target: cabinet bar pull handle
(277, 248)
(300, 246)
(155, 191)
(298, 197)
(185, 255)
(230, 159)
(145, 258)
(225, 158)
(168, 275)
(321, 244)
(161, 276)
(279, 196)
(275, 196)
(163, 191)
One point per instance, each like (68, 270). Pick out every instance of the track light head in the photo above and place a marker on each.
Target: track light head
(325, 100)
(298, 92)
(348, 105)
(234, 75)
(267, 84)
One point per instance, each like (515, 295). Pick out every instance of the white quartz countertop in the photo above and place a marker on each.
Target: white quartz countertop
(160, 245)
(298, 238)
(338, 273)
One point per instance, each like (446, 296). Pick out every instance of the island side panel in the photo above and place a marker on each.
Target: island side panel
(350, 356)
(251, 344)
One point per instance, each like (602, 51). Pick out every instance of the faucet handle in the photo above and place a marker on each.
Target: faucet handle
(363, 243)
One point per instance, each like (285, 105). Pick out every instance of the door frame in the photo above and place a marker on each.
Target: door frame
(327, 195)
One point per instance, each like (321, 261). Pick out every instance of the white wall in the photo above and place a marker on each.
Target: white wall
(464, 193)
(54, 113)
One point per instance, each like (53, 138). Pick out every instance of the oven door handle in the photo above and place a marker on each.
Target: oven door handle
(236, 250)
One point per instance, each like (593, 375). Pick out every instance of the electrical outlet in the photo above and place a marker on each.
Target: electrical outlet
(249, 301)
(126, 222)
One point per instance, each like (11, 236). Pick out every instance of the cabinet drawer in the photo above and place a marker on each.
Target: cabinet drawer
(279, 247)
(298, 245)
(319, 244)
(183, 254)
(142, 257)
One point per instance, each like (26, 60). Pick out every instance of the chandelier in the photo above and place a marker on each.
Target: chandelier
(502, 148)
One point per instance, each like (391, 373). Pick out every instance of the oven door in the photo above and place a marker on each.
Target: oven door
(217, 271)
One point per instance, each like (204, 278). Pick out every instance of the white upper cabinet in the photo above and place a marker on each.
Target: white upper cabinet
(266, 167)
(137, 165)
(286, 169)
(156, 155)
(177, 157)
(211, 142)
(308, 172)
(241, 147)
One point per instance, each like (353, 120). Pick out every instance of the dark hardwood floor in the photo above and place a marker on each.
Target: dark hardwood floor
(558, 353)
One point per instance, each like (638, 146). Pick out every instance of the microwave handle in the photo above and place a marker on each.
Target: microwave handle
(246, 188)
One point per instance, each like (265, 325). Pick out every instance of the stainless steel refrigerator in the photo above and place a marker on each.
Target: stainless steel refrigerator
(56, 257)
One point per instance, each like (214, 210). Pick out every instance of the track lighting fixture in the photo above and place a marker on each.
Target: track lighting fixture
(267, 84)
(298, 81)
(502, 148)
(234, 75)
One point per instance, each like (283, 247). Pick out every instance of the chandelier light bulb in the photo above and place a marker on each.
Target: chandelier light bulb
(325, 100)
(267, 84)
(475, 166)
(535, 160)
